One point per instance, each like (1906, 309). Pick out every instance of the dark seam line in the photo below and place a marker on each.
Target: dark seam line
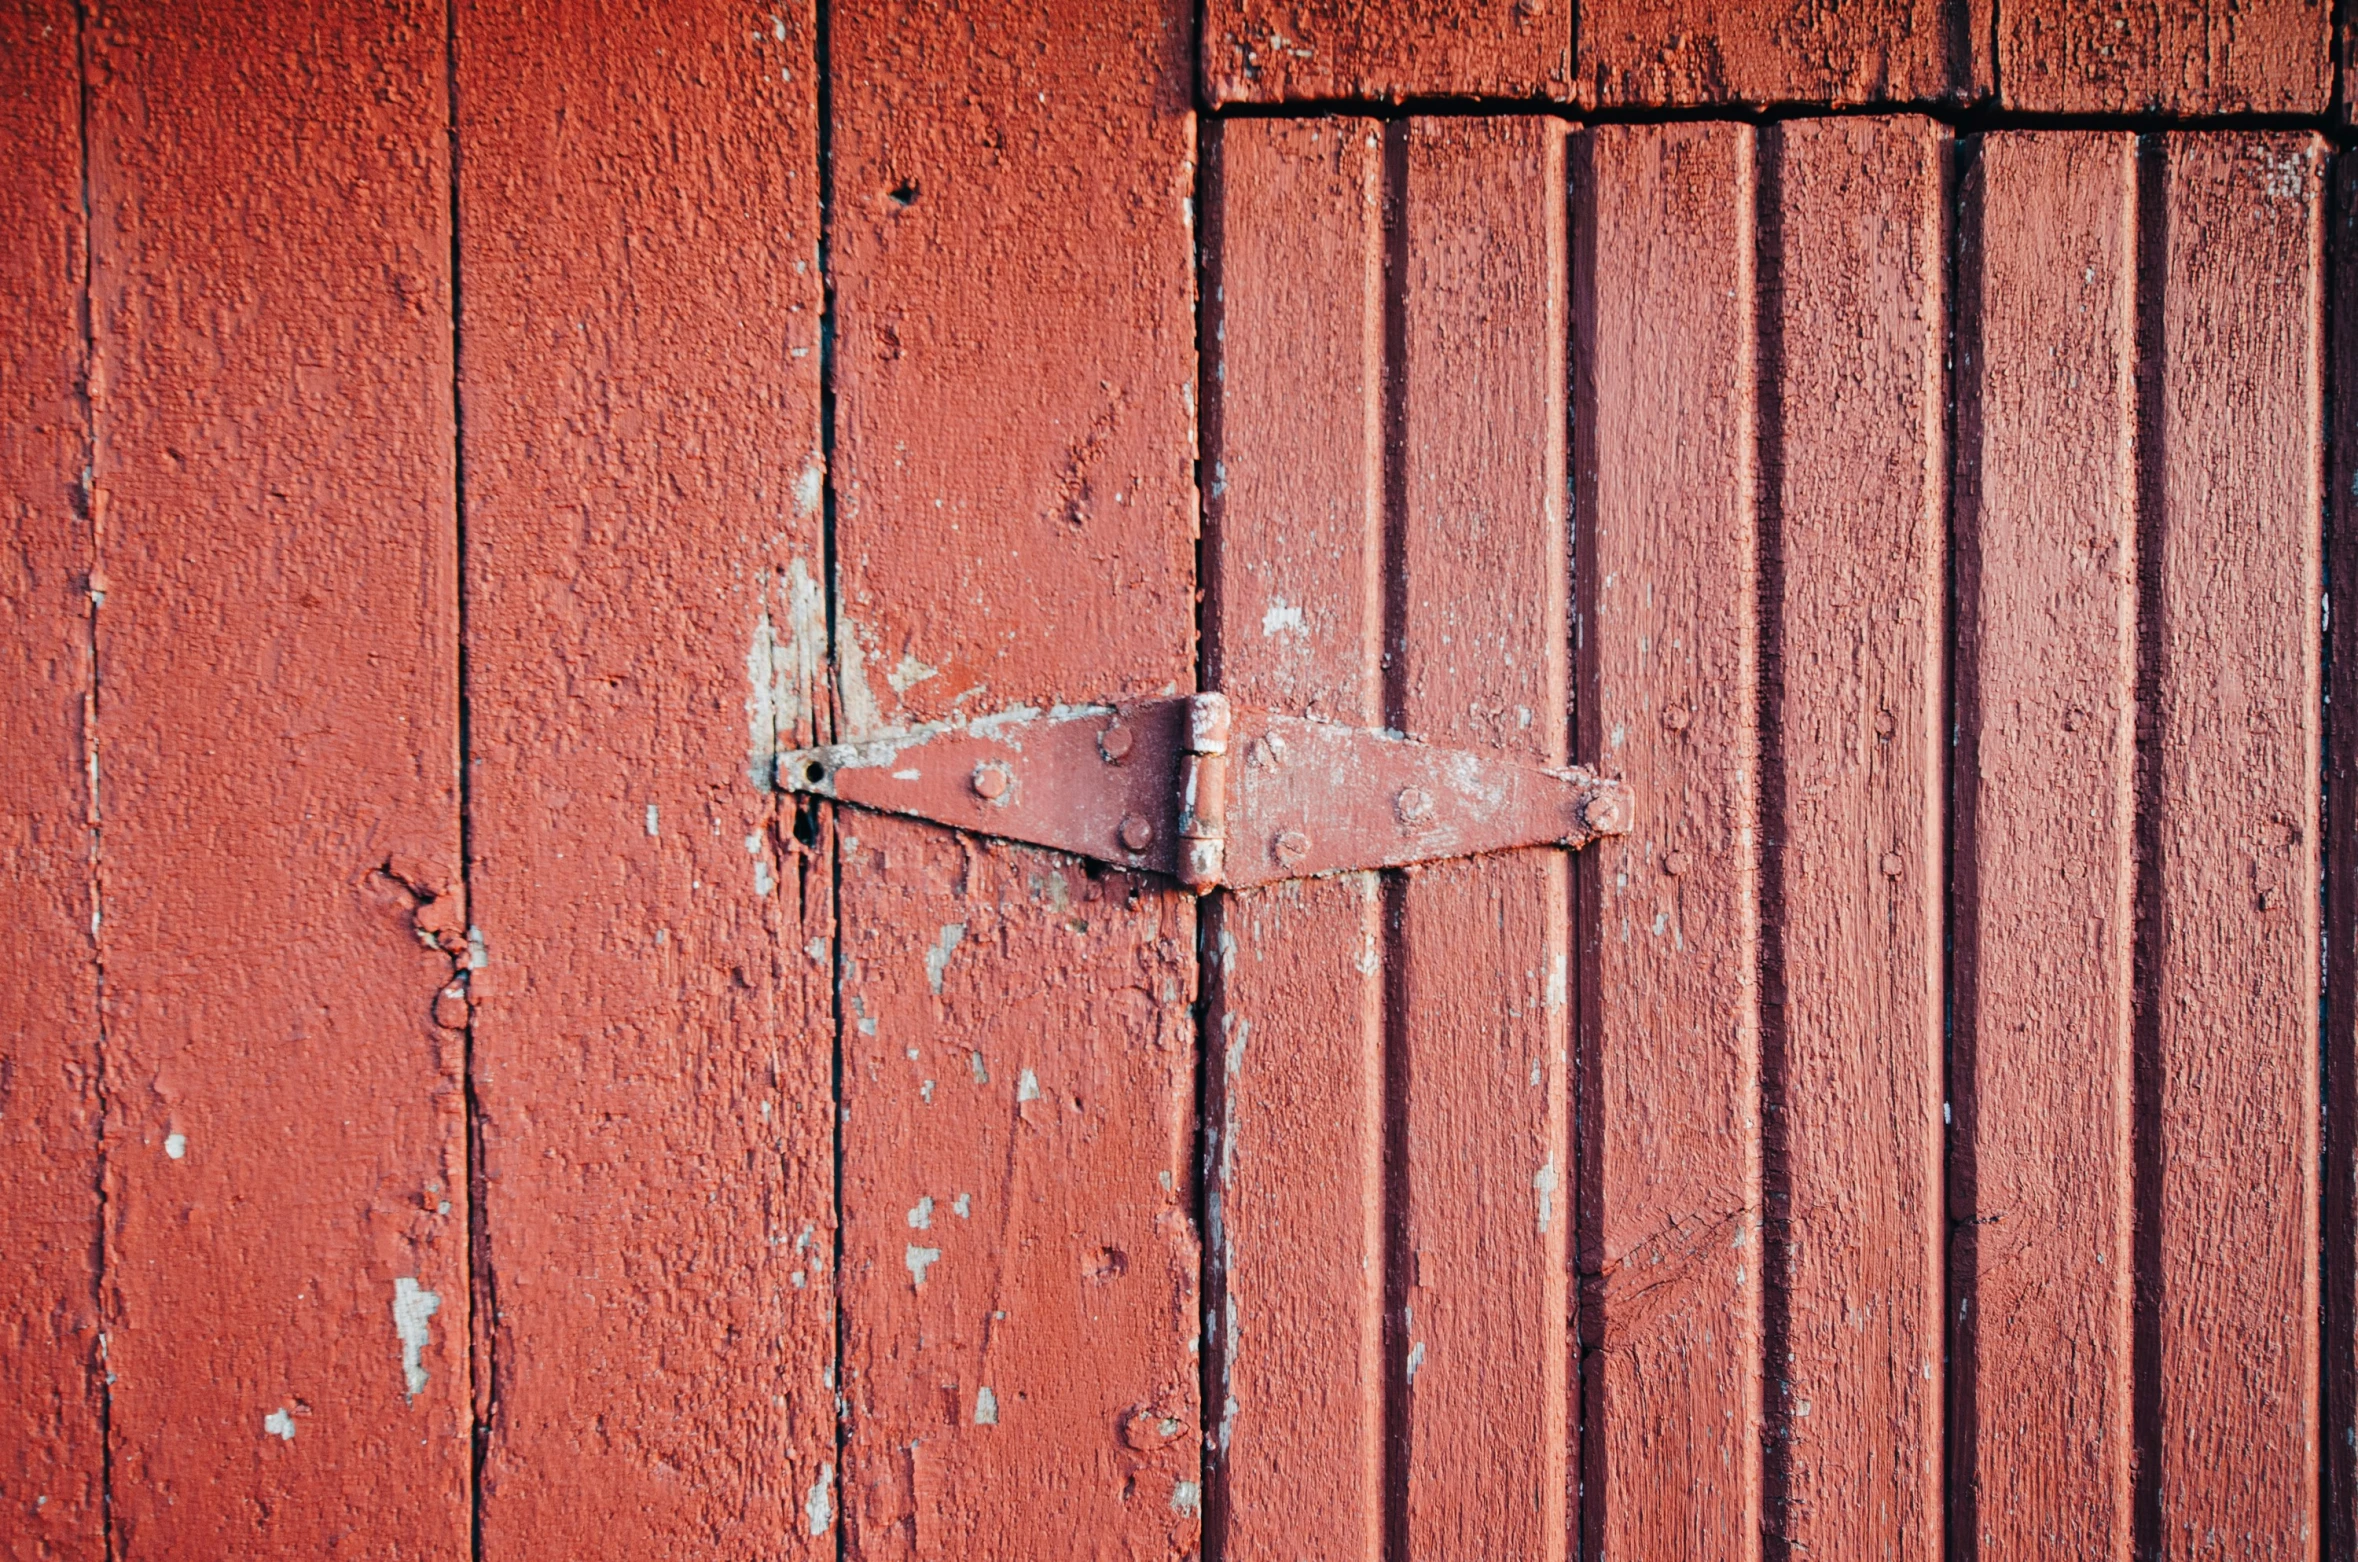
(2335, 882)
(1775, 1171)
(88, 490)
(1398, 1400)
(1584, 1154)
(482, 1286)
(823, 67)
(1959, 759)
(2147, 1146)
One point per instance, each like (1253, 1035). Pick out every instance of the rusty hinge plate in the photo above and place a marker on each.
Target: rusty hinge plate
(1210, 795)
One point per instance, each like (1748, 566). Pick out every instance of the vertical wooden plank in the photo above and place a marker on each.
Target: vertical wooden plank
(646, 629)
(1015, 391)
(2165, 56)
(1670, 1255)
(1663, 53)
(2046, 674)
(1479, 946)
(286, 1254)
(51, 1426)
(2339, 1207)
(2233, 935)
(1264, 51)
(1294, 1138)
(1857, 480)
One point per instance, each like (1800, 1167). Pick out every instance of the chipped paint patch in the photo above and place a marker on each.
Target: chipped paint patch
(1186, 1497)
(1282, 618)
(1543, 1182)
(962, 1206)
(1027, 1087)
(986, 1408)
(921, 1259)
(280, 1425)
(921, 1215)
(810, 484)
(654, 823)
(1416, 1359)
(910, 673)
(819, 1506)
(412, 1307)
(176, 1145)
(937, 959)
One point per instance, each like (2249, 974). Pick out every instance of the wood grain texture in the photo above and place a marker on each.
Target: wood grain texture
(1669, 1247)
(1016, 366)
(1857, 476)
(52, 1437)
(2165, 56)
(646, 628)
(286, 1184)
(1294, 1126)
(1284, 51)
(2339, 1193)
(1662, 53)
(1016, 400)
(2046, 669)
(1019, 1282)
(1480, 946)
(2232, 976)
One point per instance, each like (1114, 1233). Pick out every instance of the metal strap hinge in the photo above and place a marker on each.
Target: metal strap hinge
(1213, 795)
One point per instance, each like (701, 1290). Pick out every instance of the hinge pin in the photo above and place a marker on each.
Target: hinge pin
(1203, 792)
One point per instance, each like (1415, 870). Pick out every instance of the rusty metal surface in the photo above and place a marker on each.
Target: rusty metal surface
(1256, 798)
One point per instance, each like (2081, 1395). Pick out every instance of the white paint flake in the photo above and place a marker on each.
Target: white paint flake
(176, 1145)
(280, 1425)
(1282, 618)
(810, 485)
(937, 959)
(1186, 1497)
(921, 1217)
(1416, 1359)
(920, 1260)
(1027, 1087)
(962, 1206)
(412, 1307)
(1544, 1184)
(819, 1506)
(653, 827)
(910, 673)
(986, 1408)
(982, 1075)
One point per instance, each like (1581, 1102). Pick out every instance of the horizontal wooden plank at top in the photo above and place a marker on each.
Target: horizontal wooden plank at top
(52, 1438)
(2165, 56)
(1285, 51)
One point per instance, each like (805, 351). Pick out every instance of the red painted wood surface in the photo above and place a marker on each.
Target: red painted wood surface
(1294, 1112)
(1282, 51)
(646, 628)
(2044, 878)
(1015, 525)
(1670, 1238)
(1478, 963)
(286, 1261)
(1662, 52)
(2136, 56)
(1854, 326)
(2230, 986)
(52, 1454)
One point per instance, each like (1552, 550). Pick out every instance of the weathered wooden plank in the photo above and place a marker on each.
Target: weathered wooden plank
(2231, 939)
(52, 1469)
(2339, 1195)
(1294, 1140)
(2165, 56)
(1479, 948)
(1669, 1247)
(1854, 342)
(1658, 53)
(2045, 777)
(646, 627)
(1016, 367)
(1015, 525)
(1273, 51)
(286, 1182)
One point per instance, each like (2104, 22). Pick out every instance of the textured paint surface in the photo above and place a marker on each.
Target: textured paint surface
(278, 659)
(1015, 526)
(1294, 1132)
(1477, 964)
(1014, 480)
(2165, 56)
(1279, 51)
(1664, 52)
(2046, 673)
(646, 626)
(2229, 1030)
(2339, 1195)
(1854, 329)
(1670, 1253)
(51, 1453)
